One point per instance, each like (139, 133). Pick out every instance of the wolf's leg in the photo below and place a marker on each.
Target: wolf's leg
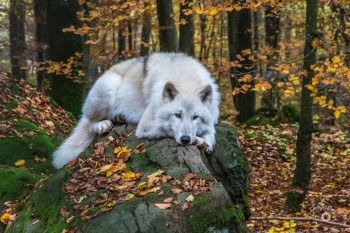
(101, 127)
(207, 140)
(147, 127)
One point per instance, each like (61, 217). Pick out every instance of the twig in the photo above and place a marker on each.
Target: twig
(300, 219)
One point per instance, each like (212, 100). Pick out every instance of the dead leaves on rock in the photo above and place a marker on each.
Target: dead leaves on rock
(104, 180)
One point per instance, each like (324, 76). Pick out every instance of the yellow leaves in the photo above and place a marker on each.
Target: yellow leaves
(213, 11)
(156, 174)
(336, 59)
(20, 163)
(119, 151)
(312, 88)
(246, 78)
(315, 42)
(338, 111)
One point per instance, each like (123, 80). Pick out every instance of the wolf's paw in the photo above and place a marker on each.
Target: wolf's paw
(101, 126)
(203, 145)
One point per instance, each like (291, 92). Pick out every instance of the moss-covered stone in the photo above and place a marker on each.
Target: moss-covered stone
(223, 209)
(41, 144)
(14, 183)
(44, 205)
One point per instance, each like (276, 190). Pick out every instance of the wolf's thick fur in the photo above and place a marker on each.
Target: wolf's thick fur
(166, 94)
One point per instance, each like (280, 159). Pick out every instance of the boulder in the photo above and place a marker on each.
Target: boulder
(219, 204)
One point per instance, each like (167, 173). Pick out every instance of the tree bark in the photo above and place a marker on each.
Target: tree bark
(240, 38)
(302, 173)
(17, 39)
(42, 40)
(146, 30)
(272, 22)
(186, 42)
(89, 65)
(122, 27)
(62, 45)
(167, 29)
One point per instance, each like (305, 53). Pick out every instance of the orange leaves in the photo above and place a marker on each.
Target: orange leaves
(7, 216)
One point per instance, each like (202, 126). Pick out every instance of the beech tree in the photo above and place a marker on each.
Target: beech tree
(17, 39)
(167, 29)
(302, 174)
(63, 45)
(240, 39)
(186, 42)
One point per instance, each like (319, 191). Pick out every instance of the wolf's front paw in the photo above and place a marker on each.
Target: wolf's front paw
(203, 145)
(101, 126)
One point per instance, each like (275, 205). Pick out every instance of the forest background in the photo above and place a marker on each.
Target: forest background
(283, 68)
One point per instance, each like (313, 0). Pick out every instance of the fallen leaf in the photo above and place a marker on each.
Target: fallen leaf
(168, 200)
(20, 162)
(163, 206)
(70, 219)
(190, 198)
(176, 191)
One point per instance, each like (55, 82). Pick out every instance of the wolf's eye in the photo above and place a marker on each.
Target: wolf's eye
(178, 115)
(194, 117)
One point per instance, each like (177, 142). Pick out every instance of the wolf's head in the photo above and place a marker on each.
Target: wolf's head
(184, 114)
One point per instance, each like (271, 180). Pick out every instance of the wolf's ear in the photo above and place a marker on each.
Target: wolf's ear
(169, 91)
(206, 94)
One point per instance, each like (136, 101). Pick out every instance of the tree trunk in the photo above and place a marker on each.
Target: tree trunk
(167, 29)
(17, 39)
(42, 40)
(240, 38)
(302, 174)
(122, 27)
(62, 45)
(272, 22)
(186, 42)
(89, 65)
(146, 30)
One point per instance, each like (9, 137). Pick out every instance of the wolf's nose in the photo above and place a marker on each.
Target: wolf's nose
(185, 139)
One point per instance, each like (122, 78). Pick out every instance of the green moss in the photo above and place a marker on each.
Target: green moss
(217, 220)
(256, 120)
(41, 144)
(45, 204)
(13, 183)
(200, 200)
(291, 112)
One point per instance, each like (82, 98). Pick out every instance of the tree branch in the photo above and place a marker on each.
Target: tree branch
(300, 219)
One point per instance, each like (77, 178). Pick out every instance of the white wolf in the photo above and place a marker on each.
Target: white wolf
(166, 94)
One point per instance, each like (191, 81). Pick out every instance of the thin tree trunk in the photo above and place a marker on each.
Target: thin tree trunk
(202, 49)
(17, 39)
(167, 29)
(302, 173)
(122, 27)
(272, 22)
(240, 38)
(186, 42)
(89, 66)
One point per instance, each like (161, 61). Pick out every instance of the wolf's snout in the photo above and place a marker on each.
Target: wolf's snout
(185, 139)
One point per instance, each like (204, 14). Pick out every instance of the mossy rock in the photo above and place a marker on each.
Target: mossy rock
(41, 144)
(222, 209)
(291, 112)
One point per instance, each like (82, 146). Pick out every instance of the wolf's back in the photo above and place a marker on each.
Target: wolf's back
(77, 142)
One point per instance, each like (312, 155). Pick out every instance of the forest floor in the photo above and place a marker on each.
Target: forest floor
(271, 155)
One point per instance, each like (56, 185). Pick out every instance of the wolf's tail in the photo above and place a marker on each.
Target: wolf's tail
(77, 142)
